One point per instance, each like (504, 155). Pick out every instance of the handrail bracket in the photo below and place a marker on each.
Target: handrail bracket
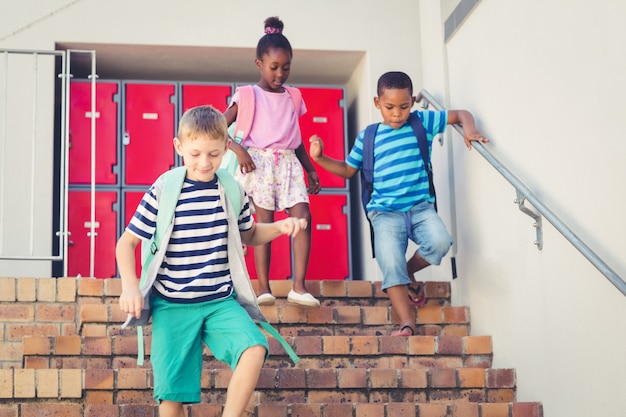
(520, 200)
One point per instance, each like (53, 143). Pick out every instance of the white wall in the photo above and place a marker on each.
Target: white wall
(546, 82)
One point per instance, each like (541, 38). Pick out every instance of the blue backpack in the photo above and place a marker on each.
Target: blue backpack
(367, 171)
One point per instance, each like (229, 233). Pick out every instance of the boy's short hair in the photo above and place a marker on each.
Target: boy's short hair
(203, 120)
(394, 80)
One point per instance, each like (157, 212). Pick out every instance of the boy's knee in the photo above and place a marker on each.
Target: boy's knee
(434, 252)
(171, 409)
(258, 352)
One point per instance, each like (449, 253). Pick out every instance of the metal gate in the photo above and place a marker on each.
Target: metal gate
(34, 140)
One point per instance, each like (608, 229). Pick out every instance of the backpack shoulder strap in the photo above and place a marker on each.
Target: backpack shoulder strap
(245, 112)
(296, 97)
(367, 171)
(232, 190)
(172, 183)
(420, 134)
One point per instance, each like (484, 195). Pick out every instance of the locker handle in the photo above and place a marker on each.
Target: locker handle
(126, 139)
(322, 227)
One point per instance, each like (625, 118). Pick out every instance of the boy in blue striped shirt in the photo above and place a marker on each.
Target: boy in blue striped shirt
(401, 207)
(193, 298)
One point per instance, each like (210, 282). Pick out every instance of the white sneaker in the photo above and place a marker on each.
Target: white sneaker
(305, 299)
(266, 299)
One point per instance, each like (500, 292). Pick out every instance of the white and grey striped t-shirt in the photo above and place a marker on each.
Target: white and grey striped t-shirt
(195, 268)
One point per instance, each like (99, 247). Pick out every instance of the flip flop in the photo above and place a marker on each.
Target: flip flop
(405, 330)
(417, 296)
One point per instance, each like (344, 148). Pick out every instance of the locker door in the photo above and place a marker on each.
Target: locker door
(131, 201)
(325, 118)
(80, 133)
(280, 263)
(197, 95)
(106, 228)
(149, 131)
(329, 237)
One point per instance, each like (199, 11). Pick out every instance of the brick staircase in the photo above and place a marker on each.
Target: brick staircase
(63, 354)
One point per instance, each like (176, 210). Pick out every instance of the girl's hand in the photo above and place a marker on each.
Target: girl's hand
(246, 164)
(314, 183)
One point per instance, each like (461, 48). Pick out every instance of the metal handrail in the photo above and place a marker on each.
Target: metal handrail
(523, 193)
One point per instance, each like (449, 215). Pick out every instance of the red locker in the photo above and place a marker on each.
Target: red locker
(80, 133)
(198, 94)
(149, 131)
(329, 237)
(79, 225)
(280, 263)
(325, 118)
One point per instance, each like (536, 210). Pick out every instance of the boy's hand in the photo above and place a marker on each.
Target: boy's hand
(314, 183)
(316, 149)
(291, 226)
(131, 301)
(473, 135)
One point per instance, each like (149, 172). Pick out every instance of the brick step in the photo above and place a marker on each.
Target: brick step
(344, 290)
(293, 320)
(357, 385)
(389, 409)
(114, 352)
(102, 319)
(346, 320)
(65, 355)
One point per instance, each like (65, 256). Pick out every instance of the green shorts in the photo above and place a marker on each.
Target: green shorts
(178, 331)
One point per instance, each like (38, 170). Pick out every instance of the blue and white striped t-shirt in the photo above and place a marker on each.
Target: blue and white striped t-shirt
(195, 267)
(400, 180)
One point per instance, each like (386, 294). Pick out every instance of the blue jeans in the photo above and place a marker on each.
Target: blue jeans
(392, 231)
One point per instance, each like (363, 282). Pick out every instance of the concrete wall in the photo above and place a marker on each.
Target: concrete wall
(546, 81)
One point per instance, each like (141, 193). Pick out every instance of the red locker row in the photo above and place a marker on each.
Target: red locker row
(149, 124)
(134, 145)
(329, 248)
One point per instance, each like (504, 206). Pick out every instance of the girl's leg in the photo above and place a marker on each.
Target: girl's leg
(171, 409)
(301, 247)
(262, 253)
(243, 381)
